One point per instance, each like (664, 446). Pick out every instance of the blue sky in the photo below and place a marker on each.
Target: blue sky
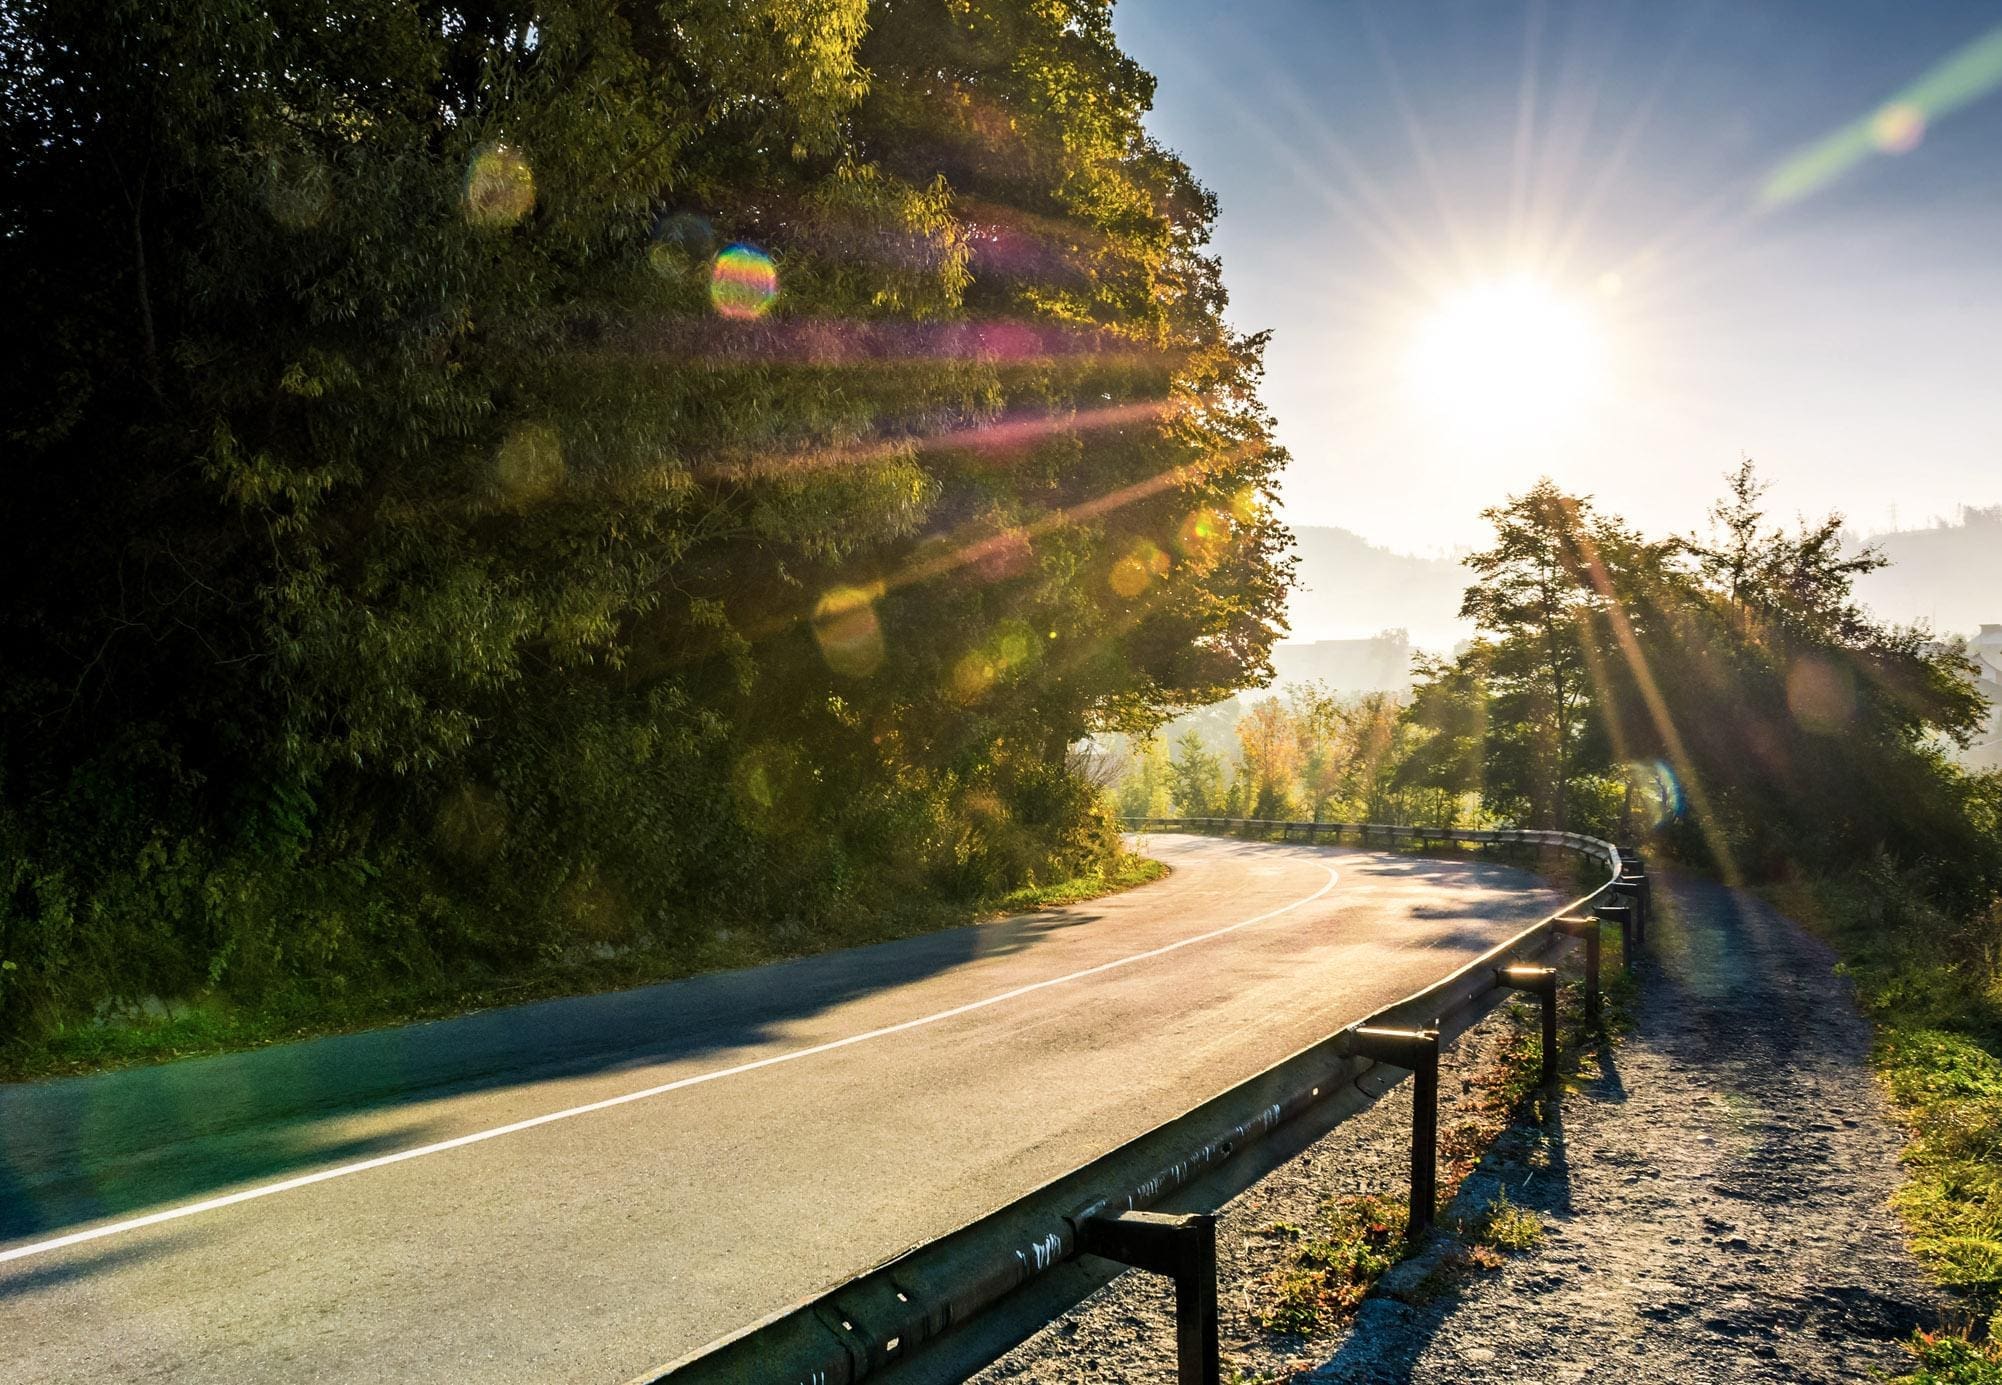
(1376, 164)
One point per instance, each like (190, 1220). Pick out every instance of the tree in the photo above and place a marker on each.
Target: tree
(1144, 788)
(1196, 778)
(1351, 747)
(1270, 765)
(488, 482)
(1535, 598)
(1728, 691)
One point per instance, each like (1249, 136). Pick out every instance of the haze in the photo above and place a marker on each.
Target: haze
(1759, 230)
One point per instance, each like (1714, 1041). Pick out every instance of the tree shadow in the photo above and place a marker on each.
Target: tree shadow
(98, 1189)
(77, 1150)
(52, 1274)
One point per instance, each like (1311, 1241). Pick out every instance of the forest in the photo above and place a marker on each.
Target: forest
(1724, 695)
(495, 487)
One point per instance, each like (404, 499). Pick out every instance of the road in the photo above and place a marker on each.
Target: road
(579, 1189)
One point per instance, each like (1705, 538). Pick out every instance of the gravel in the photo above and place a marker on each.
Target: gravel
(1713, 1192)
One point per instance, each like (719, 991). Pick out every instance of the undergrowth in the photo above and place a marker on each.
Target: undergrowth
(214, 1022)
(1931, 984)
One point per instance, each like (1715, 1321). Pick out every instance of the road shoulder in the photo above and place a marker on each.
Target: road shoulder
(1713, 1192)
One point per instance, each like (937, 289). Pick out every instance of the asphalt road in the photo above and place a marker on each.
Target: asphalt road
(579, 1189)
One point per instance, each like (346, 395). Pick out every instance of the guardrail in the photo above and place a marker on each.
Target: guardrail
(918, 1316)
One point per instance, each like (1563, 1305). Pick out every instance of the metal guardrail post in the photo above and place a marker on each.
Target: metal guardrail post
(1184, 1249)
(1623, 914)
(1542, 983)
(1418, 1050)
(1633, 883)
(1578, 926)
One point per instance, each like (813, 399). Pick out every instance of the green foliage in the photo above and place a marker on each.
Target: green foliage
(1196, 778)
(1144, 788)
(1944, 1359)
(1503, 1226)
(490, 488)
(1726, 694)
(1355, 1242)
(1726, 690)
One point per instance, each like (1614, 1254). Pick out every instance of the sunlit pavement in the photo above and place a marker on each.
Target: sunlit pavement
(580, 1189)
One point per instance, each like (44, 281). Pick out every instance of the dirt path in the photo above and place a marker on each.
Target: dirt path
(1713, 1196)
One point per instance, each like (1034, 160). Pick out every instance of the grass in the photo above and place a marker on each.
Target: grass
(1332, 1269)
(1933, 992)
(208, 1024)
(1356, 1240)
(1949, 1359)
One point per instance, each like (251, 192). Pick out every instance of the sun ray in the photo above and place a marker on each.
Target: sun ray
(1525, 125)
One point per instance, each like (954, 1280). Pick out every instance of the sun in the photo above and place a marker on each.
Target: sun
(1508, 358)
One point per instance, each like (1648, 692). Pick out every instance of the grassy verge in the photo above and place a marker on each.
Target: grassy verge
(1931, 987)
(213, 1024)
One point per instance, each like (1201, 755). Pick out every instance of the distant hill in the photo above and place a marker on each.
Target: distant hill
(1949, 574)
(1348, 588)
(1380, 663)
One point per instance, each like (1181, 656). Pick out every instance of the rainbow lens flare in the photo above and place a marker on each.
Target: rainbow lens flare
(744, 283)
(1657, 792)
(1898, 127)
(846, 628)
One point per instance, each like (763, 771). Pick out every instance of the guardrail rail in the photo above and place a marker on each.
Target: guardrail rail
(919, 1316)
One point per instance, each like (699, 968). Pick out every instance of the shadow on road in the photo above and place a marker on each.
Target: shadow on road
(82, 1150)
(55, 1274)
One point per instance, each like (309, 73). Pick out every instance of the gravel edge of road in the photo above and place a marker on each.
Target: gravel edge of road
(1714, 1192)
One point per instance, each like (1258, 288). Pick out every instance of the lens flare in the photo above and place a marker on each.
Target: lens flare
(1011, 645)
(529, 465)
(1898, 127)
(472, 823)
(1821, 695)
(768, 782)
(1964, 76)
(1132, 574)
(298, 189)
(972, 676)
(1201, 536)
(744, 283)
(846, 628)
(683, 244)
(500, 187)
(1657, 792)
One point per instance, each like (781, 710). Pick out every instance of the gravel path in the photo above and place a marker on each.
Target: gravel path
(1714, 1197)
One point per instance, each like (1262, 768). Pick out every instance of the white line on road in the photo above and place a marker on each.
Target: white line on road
(382, 1161)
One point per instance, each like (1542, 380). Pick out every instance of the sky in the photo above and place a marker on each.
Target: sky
(1622, 245)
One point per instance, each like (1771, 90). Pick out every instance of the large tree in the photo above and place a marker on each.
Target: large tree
(490, 478)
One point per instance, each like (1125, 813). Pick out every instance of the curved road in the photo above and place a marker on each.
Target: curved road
(580, 1189)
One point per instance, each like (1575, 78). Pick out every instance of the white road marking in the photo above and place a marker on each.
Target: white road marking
(382, 1161)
